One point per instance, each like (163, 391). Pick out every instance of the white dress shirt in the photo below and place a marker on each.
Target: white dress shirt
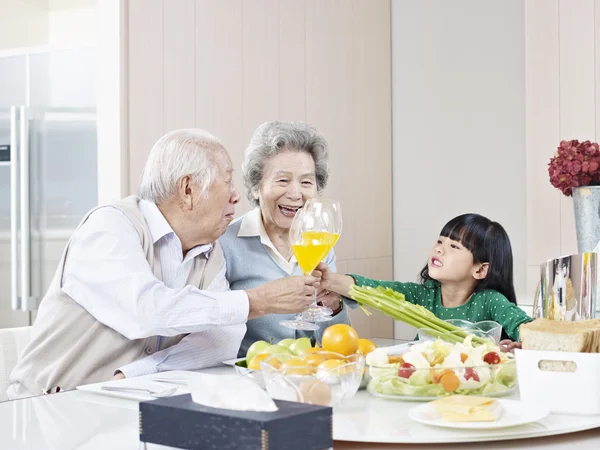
(106, 272)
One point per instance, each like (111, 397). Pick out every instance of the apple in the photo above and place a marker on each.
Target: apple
(299, 346)
(255, 349)
(286, 342)
(277, 349)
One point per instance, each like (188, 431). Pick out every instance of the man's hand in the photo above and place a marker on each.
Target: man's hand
(118, 376)
(284, 296)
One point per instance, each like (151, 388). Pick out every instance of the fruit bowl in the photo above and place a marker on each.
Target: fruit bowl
(436, 368)
(319, 378)
(255, 375)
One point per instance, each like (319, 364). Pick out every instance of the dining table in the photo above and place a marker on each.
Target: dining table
(80, 419)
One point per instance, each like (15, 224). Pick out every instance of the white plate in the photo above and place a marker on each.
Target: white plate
(416, 398)
(514, 412)
(180, 378)
(231, 362)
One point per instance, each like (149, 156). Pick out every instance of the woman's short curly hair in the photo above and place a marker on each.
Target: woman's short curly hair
(272, 137)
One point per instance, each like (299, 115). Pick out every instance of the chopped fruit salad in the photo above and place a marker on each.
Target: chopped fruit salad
(437, 368)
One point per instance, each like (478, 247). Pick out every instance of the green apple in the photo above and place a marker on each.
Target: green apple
(255, 349)
(300, 345)
(286, 342)
(277, 349)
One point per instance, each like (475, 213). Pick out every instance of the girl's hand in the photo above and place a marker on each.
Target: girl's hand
(326, 276)
(508, 346)
(323, 272)
(331, 281)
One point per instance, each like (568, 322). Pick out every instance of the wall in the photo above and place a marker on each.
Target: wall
(72, 21)
(23, 23)
(228, 66)
(34, 23)
(563, 55)
(458, 75)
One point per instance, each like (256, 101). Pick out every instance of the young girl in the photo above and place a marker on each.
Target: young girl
(469, 275)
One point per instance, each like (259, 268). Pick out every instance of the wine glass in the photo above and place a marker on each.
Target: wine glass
(333, 209)
(311, 238)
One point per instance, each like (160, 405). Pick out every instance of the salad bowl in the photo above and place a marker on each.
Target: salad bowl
(433, 369)
(486, 329)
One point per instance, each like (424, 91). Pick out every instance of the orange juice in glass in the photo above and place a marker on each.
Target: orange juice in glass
(311, 239)
(311, 250)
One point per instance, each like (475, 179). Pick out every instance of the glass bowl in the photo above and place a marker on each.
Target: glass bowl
(319, 378)
(255, 375)
(429, 376)
(487, 329)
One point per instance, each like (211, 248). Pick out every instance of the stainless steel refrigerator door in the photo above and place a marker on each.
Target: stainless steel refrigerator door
(62, 157)
(13, 92)
(62, 186)
(51, 180)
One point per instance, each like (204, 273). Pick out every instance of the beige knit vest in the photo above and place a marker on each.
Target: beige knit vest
(69, 347)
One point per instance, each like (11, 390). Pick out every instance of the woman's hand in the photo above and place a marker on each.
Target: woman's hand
(508, 346)
(331, 300)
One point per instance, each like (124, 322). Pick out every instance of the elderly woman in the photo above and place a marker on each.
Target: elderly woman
(286, 163)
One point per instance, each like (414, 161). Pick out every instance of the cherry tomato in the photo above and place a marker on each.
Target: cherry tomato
(492, 358)
(406, 370)
(470, 373)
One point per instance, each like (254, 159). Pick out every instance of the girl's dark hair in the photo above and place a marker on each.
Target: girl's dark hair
(488, 242)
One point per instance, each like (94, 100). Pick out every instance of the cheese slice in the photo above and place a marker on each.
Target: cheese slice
(467, 408)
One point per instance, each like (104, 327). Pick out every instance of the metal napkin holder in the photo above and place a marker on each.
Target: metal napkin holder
(568, 288)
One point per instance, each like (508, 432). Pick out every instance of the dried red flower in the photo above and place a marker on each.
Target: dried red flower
(575, 164)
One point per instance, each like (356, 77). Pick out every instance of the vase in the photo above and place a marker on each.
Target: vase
(586, 203)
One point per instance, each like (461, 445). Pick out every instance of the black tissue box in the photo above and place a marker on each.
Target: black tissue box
(179, 422)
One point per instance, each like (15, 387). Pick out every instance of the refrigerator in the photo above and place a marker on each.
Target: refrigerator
(48, 168)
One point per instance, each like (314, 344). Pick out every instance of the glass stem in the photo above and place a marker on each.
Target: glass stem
(314, 303)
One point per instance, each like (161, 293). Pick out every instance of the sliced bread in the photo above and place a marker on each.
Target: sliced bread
(553, 335)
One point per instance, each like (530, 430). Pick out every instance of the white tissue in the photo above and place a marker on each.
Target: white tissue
(230, 392)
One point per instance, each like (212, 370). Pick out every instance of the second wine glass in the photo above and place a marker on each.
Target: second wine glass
(311, 238)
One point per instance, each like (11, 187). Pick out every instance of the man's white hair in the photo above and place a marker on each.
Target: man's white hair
(175, 155)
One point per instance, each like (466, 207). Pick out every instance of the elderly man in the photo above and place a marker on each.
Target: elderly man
(137, 276)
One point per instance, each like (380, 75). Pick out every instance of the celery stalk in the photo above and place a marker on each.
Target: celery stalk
(394, 305)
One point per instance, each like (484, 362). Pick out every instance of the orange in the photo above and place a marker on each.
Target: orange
(333, 365)
(366, 346)
(312, 350)
(340, 338)
(296, 366)
(314, 359)
(254, 363)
